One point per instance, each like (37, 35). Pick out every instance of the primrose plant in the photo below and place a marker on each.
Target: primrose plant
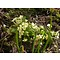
(30, 32)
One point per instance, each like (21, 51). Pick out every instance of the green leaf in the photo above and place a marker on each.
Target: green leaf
(13, 30)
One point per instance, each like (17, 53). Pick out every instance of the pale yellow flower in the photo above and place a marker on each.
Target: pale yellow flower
(33, 24)
(4, 25)
(21, 16)
(52, 32)
(46, 36)
(57, 35)
(38, 37)
(21, 33)
(41, 27)
(26, 20)
(25, 39)
(49, 25)
(24, 25)
(18, 21)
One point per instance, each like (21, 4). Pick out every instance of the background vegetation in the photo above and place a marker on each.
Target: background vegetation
(40, 16)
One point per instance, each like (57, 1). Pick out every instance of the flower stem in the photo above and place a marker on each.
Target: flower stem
(33, 43)
(39, 46)
(17, 43)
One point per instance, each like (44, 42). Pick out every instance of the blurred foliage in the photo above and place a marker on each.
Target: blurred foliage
(8, 14)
